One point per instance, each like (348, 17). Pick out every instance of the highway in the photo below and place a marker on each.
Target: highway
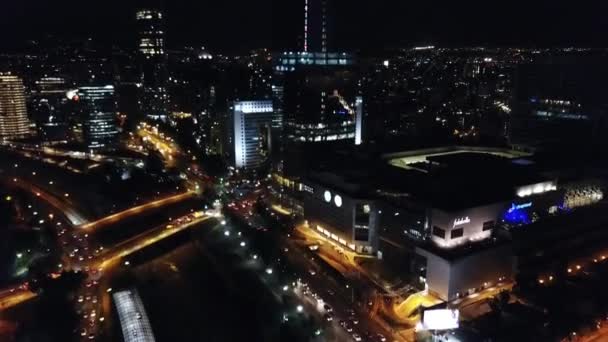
(151, 136)
(139, 242)
(95, 294)
(82, 250)
(133, 211)
(320, 287)
(60, 204)
(93, 313)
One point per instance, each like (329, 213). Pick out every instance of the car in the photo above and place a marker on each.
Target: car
(328, 317)
(328, 308)
(381, 337)
(357, 337)
(354, 320)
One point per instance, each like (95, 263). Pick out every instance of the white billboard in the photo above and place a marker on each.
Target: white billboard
(441, 319)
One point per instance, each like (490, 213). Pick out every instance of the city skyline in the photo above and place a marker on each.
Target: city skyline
(357, 26)
(303, 171)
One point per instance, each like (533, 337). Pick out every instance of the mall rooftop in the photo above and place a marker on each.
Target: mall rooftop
(449, 178)
(453, 178)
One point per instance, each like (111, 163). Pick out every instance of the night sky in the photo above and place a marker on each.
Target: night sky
(240, 24)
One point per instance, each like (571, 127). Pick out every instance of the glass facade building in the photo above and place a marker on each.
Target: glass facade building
(318, 96)
(153, 63)
(99, 124)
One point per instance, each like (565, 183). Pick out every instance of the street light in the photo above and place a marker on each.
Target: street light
(300, 308)
(269, 270)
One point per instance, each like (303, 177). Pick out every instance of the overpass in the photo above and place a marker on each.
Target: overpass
(137, 210)
(140, 242)
(60, 204)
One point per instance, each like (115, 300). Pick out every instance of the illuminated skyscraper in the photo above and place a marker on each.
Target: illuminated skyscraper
(315, 25)
(99, 124)
(14, 123)
(251, 133)
(317, 93)
(153, 63)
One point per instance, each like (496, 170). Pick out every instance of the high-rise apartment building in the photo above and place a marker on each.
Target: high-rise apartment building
(99, 122)
(14, 123)
(153, 63)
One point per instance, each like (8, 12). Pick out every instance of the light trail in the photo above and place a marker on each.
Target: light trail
(136, 210)
(15, 298)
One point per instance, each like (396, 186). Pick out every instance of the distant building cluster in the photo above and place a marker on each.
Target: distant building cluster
(456, 170)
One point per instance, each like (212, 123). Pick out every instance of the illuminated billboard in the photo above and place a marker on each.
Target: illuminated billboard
(440, 319)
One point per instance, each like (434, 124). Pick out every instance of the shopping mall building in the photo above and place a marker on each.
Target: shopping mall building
(442, 216)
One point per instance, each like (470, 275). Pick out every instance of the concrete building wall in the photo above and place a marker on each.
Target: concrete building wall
(333, 211)
(480, 269)
(448, 278)
(470, 220)
(437, 274)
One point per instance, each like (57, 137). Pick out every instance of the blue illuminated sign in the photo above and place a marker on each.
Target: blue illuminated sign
(515, 207)
(516, 214)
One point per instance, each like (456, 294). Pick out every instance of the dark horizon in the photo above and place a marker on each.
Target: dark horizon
(277, 24)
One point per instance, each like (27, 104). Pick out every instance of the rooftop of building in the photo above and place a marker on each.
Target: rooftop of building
(448, 178)
(468, 249)
(457, 177)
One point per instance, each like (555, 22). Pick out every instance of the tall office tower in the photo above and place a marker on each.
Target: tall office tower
(153, 63)
(251, 133)
(99, 121)
(49, 108)
(315, 25)
(14, 123)
(316, 92)
(319, 97)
